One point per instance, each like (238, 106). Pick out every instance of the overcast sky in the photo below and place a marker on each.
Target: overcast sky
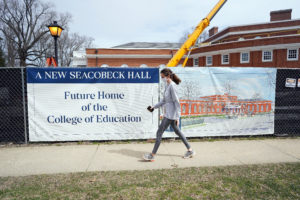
(115, 22)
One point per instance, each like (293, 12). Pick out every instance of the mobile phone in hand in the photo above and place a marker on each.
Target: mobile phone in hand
(150, 109)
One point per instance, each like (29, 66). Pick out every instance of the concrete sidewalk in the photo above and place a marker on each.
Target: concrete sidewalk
(32, 160)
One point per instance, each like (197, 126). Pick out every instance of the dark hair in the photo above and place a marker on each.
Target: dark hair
(173, 76)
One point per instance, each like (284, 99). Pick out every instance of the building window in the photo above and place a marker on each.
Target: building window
(225, 59)
(245, 57)
(195, 108)
(196, 61)
(209, 60)
(267, 56)
(184, 108)
(292, 54)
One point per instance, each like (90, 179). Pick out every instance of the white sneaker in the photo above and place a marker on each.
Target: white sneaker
(189, 154)
(148, 157)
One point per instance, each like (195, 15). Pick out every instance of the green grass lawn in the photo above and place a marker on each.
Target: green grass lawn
(272, 181)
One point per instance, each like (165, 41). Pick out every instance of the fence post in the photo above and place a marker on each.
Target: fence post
(24, 105)
(159, 90)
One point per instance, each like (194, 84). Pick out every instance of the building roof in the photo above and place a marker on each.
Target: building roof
(149, 45)
(262, 29)
(282, 11)
(282, 42)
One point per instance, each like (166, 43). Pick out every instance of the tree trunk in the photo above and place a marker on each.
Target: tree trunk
(22, 57)
(23, 62)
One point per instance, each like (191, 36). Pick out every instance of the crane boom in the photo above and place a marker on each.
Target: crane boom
(194, 36)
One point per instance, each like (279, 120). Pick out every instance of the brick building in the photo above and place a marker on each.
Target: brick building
(272, 44)
(132, 54)
(224, 104)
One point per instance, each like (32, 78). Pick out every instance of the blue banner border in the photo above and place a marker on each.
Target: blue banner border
(92, 75)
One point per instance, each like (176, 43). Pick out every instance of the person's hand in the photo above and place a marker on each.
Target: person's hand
(150, 108)
(177, 122)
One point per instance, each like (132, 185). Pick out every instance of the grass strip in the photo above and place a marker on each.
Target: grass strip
(268, 181)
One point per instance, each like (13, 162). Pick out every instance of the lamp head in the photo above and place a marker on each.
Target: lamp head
(55, 29)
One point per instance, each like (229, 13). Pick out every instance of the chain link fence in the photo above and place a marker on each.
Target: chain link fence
(287, 102)
(13, 124)
(14, 116)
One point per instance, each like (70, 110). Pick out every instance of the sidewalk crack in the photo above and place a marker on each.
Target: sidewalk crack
(235, 158)
(174, 163)
(92, 158)
(239, 160)
(277, 149)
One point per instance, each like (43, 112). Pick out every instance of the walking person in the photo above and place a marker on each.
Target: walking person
(171, 110)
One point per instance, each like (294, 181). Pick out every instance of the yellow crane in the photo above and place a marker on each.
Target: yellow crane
(190, 42)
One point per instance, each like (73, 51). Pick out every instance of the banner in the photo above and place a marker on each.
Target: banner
(226, 101)
(70, 104)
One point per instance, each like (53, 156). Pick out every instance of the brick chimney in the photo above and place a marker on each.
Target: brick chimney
(213, 31)
(279, 15)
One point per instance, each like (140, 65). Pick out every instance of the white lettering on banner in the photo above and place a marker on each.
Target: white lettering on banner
(38, 76)
(96, 75)
(55, 75)
(139, 75)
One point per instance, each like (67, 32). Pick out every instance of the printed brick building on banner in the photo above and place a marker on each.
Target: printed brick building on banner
(224, 104)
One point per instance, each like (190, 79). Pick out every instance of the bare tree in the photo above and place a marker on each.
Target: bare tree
(9, 49)
(256, 95)
(228, 87)
(186, 33)
(23, 25)
(271, 78)
(2, 60)
(69, 43)
(184, 36)
(43, 49)
(190, 90)
(1, 43)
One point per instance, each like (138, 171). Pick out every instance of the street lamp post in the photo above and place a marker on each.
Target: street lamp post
(55, 31)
